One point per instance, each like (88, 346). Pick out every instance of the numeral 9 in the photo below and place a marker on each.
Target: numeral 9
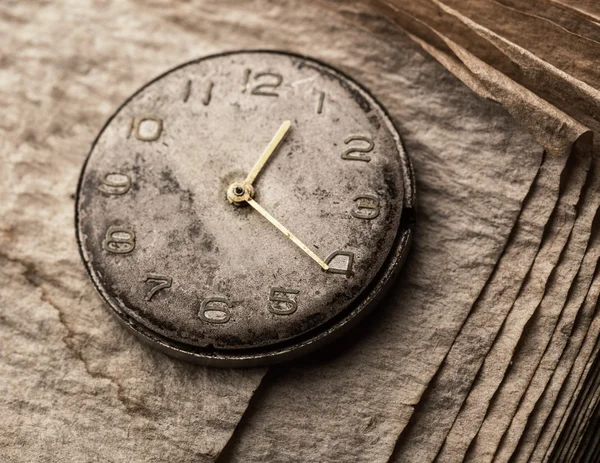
(115, 183)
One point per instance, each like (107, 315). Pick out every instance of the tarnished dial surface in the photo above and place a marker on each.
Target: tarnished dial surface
(217, 282)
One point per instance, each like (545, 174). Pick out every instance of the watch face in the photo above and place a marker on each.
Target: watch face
(244, 206)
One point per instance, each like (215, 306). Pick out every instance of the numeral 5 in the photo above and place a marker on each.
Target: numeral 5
(282, 301)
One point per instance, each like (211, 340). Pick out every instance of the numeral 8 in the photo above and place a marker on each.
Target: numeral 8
(119, 240)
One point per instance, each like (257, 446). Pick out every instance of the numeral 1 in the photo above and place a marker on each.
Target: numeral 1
(320, 102)
(188, 91)
(247, 74)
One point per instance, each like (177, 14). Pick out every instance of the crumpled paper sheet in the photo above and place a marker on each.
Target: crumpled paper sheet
(74, 385)
(571, 441)
(478, 333)
(363, 391)
(558, 332)
(588, 9)
(538, 332)
(442, 400)
(77, 384)
(498, 359)
(570, 393)
(578, 418)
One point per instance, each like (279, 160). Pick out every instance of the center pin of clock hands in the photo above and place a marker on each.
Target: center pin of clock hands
(240, 193)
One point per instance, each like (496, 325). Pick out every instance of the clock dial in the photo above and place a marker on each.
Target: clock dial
(242, 204)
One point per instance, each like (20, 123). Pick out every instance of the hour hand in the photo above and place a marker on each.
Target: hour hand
(287, 233)
(269, 150)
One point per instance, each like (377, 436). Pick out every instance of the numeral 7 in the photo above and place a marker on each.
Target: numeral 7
(163, 283)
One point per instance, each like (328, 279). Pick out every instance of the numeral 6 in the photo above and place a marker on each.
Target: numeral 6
(215, 310)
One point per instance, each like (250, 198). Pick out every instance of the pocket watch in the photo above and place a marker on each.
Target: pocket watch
(245, 208)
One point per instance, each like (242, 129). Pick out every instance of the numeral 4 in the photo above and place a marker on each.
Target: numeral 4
(340, 262)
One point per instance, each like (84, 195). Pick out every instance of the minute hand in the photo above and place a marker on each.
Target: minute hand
(287, 233)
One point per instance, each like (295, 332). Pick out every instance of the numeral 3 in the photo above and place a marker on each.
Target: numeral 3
(367, 207)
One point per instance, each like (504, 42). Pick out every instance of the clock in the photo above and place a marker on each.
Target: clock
(245, 208)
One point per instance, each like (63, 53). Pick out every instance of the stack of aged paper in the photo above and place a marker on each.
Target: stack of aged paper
(520, 381)
(487, 347)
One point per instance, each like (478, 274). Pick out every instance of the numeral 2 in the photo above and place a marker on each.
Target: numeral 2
(282, 302)
(358, 153)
